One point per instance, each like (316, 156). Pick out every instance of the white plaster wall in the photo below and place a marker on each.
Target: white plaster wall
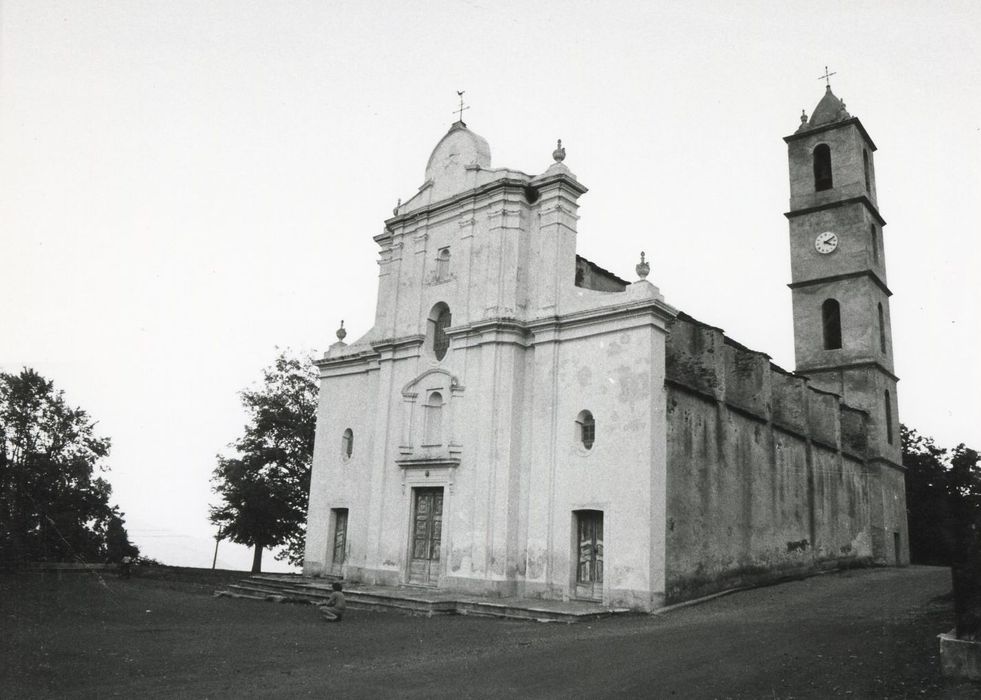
(337, 482)
(615, 370)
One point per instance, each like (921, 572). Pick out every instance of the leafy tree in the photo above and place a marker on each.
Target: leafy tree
(927, 484)
(943, 496)
(964, 492)
(52, 506)
(264, 487)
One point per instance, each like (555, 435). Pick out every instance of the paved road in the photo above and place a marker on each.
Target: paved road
(869, 633)
(859, 634)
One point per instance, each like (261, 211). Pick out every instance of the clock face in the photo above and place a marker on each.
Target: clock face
(826, 242)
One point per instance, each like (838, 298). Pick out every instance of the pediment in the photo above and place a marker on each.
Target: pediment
(438, 377)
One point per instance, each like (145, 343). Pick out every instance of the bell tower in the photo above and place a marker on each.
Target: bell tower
(842, 336)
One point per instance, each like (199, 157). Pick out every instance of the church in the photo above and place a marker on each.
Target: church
(520, 422)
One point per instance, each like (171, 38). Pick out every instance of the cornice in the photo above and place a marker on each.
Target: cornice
(883, 461)
(392, 344)
(451, 202)
(844, 276)
(861, 199)
(875, 364)
(797, 136)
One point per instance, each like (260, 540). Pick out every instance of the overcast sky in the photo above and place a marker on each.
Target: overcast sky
(185, 186)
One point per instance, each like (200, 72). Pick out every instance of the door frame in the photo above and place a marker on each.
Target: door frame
(333, 568)
(409, 520)
(600, 594)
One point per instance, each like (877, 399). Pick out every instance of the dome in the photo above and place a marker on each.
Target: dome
(453, 154)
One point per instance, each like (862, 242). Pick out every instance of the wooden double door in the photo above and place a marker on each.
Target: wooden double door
(427, 536)
(339, 548)
(589, 554)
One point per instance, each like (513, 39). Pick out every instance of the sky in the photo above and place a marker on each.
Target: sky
(187, 186)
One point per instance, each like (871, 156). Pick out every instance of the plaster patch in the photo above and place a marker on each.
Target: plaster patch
(537, 562)
(634, 386)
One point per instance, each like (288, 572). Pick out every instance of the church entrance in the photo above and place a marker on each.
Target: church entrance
(340, 541)
(589, 554)
(427, 533)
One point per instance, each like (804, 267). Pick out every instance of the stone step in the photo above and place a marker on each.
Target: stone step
(296, 589)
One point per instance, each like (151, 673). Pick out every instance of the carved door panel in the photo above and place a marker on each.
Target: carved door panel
(427, 535)
(340, 541)
(589, 554)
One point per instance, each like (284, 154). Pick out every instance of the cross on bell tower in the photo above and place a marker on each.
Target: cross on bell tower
(827, 76)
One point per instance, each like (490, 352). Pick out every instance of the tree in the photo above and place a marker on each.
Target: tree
(264, 487)
(964, 492)
(927, 484)
(52, 506)
(943, 496)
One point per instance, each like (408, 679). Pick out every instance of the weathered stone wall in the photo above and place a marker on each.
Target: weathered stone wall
(766, 475)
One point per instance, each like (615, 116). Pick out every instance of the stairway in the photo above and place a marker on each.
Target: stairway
(413, 600)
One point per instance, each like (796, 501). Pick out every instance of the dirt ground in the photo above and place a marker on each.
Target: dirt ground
(859, 634)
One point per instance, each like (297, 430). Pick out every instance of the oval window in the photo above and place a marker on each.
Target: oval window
(585, 429)
(347, 444)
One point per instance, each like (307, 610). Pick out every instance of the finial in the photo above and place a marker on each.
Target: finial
(559, 153)
(459, 110)
(341, 333)
(396, 209)
(643, 268)
(827, 78)
(842, 112)
(803, 116)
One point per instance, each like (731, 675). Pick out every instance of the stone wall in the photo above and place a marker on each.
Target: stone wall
(767, 476)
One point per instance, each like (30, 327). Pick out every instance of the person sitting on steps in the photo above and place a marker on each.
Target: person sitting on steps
(333, 609)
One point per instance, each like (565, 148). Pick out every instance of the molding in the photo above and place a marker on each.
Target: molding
(504, 183)
(861, 199)
(434, 462)
(352, 359)
(455, 386)
(844, 276)
(875, 364)
(392, 344)
(797, 136)
(882, 461)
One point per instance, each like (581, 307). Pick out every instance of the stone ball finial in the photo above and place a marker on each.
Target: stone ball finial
(341, 333)
(643, 268)
(559, 153)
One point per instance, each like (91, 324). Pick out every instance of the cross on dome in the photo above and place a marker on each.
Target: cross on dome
(459, 110)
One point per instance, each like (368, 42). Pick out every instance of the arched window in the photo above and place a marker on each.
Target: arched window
(347, 444)
(585, 429)
(822, 167)
(440, 319)
(888, 407)
(443, 265)
(434, 419)
(831, 318)
(868, 178)
(875, 243)
(882, 328)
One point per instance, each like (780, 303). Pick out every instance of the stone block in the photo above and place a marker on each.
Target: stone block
(694, 356)
(854, 431)
(747, 379)
(960, 658)
(788, 401)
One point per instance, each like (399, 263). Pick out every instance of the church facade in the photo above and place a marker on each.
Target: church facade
(522, 422)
